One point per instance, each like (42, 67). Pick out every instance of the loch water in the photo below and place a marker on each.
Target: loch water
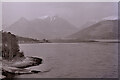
(73, 60)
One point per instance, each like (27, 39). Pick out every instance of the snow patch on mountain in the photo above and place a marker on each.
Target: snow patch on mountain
(52, 18)
(111, 18)
(43, 17)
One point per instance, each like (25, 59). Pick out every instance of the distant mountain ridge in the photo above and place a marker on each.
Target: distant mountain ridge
(106, 29)
(43, 27)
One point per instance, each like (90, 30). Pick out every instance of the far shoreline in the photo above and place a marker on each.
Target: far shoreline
(71, 42)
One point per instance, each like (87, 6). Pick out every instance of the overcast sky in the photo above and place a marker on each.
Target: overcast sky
(77, 13)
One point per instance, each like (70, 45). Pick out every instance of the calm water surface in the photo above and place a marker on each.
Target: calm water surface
(73, 60)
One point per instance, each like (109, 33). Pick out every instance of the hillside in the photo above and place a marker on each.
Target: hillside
(27, 40)
(106, 29)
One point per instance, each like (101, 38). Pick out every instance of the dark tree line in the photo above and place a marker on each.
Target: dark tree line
(10, 47)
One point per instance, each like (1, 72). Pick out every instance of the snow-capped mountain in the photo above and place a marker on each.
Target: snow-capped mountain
(42, 27)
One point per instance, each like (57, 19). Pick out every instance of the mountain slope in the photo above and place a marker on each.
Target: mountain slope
(22, 27)
(43, 27)
(106, 29)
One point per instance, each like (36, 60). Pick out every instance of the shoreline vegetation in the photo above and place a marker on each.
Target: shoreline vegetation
(85, 40)
(13, 61)
(22, 40)
(32, 41)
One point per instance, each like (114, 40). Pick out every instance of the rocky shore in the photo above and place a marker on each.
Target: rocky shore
(12, 68)
(13, 61)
